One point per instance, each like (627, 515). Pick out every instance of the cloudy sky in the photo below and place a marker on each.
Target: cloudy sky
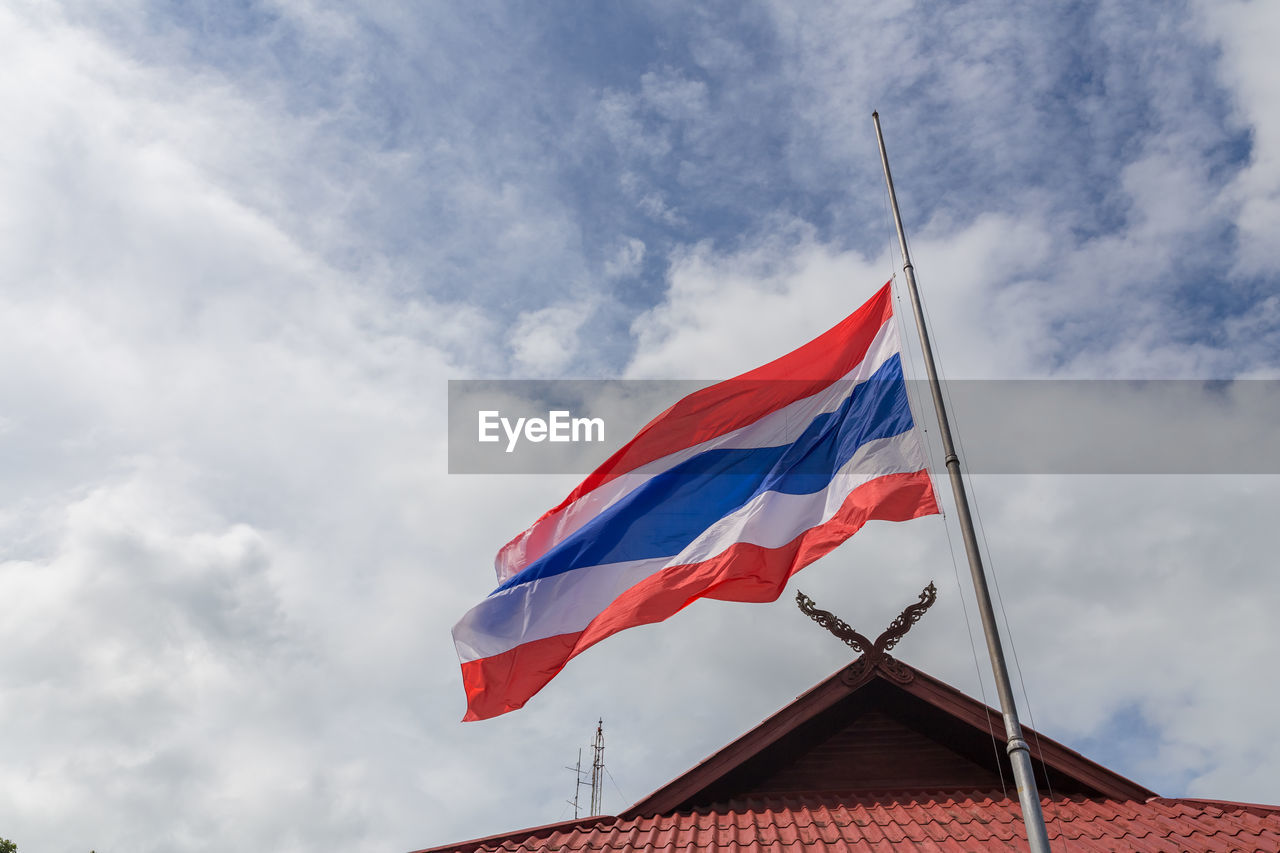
(244, 245)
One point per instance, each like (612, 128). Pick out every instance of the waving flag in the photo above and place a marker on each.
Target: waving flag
(725, 495)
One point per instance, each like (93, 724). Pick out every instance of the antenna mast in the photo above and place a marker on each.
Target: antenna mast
(597, 769)
(577, 784)
(597, 775)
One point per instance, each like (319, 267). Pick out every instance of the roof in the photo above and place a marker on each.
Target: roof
(975, 821)
(892, 759)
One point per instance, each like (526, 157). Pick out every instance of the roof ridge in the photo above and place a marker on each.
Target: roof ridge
(1222, 804)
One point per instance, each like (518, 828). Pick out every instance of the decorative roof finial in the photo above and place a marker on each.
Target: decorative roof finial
(873, 655)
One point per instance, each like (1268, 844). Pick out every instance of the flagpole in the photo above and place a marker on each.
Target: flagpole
(1019, 753)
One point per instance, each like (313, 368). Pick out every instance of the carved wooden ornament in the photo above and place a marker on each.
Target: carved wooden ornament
(873, 655)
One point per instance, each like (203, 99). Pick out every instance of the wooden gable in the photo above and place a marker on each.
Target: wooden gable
(877, 736)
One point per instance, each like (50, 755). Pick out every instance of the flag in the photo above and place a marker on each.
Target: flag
(724, 495)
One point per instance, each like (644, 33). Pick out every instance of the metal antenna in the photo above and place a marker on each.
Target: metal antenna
(577, 783)
(597, 769)
(597, 775)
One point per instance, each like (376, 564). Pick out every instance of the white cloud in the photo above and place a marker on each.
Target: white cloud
(194, 398)
(770, 294)
(656, 207)
(626, 261)
(544, 342)
(619, 117)
(673, 96)
(1247, 33)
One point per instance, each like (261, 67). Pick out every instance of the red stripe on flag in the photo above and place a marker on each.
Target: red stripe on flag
(743, 572)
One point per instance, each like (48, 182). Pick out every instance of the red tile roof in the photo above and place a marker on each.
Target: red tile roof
(976, 821)
(901, 763)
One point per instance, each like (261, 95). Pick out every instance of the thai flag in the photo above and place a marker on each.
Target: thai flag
(725, 495)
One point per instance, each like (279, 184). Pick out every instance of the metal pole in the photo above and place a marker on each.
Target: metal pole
(1019, 753)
